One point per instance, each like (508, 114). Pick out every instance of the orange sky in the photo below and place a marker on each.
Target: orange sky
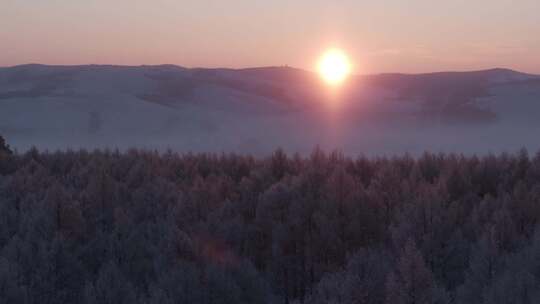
(387, 36)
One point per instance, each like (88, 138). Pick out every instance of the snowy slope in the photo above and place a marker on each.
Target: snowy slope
(257, 110)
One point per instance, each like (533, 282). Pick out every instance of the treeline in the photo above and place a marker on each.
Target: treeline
(148, 227)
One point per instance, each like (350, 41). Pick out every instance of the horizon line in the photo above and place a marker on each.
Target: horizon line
(265, 67)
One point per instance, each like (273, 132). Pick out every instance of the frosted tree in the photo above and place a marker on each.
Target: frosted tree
(412, 281)
(484, 266)
(4, 147)
(110, 287)
(11, 288)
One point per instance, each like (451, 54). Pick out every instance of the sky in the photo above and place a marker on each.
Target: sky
(408, 36)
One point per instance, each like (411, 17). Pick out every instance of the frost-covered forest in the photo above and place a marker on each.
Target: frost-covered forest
(149, 227)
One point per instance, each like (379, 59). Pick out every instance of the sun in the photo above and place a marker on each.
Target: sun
(334, 66)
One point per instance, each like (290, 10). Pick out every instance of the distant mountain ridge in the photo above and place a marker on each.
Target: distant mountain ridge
(282, 68)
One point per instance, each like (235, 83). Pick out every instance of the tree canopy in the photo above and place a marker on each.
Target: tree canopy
(148, 227)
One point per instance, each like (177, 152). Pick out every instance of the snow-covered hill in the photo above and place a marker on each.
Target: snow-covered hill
(257, 110)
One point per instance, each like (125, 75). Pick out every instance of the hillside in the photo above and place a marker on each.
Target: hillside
(255, 110)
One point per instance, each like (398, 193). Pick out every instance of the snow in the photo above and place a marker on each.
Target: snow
(258, 110)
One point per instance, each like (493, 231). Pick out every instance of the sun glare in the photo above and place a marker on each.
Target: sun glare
(334, 67)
